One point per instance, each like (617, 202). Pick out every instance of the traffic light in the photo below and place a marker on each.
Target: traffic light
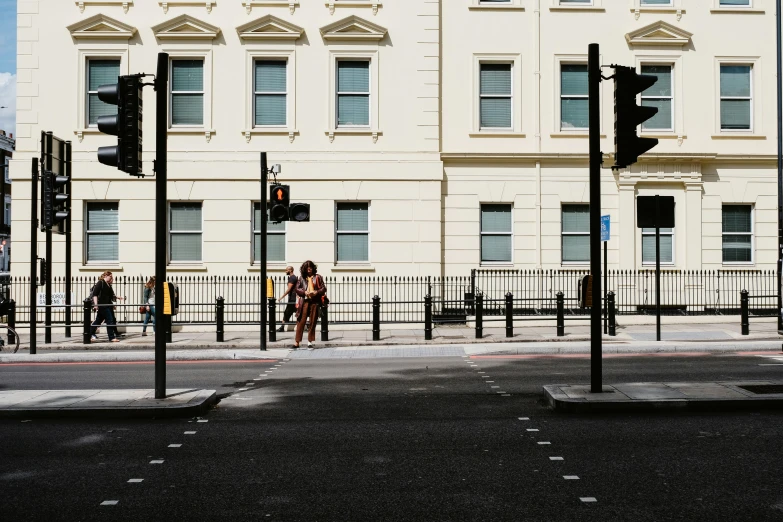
(628, 115)
(126, 94)
(299, 212)
(55, 201)
(279, 201)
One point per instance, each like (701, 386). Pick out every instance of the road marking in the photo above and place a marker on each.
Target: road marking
(202, 420)
(501, 392)
(109, 502)
(570, 477)
(175, 445)
(257, 379)
(555, 458)
(768, 364)
(532, 429)
(156, 461)
(544, 443)
(135, 481)
(588, 499)
(190, 433)
(524, 418)
(490, 381)
(250, 383)
(493, 386)
(480, 372)
(486, 377)
(243, 389)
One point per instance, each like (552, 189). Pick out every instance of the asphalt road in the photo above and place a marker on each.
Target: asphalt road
(394, 439)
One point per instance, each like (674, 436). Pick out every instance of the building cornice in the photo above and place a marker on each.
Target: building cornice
(101, 26)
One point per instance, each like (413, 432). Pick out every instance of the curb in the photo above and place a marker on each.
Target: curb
(198, 405)
(560, 402)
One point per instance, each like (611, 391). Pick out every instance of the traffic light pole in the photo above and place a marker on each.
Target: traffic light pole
(33, 254)
(161, 179)
(594, 122)
(48, 255)
(68, 303)
(780, 167)
(262, 299)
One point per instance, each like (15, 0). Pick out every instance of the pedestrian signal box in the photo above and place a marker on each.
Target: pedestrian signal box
(170, 299)
(270, 288)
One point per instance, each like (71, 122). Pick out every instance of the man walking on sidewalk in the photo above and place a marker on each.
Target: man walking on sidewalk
(103, 302)
(290, 308)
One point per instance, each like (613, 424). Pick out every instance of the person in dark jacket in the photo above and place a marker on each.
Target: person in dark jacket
(103, 299)
(290, 308)
(311, 289)
(149, 299)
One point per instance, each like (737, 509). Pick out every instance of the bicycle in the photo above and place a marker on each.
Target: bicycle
(12, 347)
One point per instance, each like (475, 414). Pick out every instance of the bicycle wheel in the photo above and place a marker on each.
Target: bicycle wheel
(6, 346)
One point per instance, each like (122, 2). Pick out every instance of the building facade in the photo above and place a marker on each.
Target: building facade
(429, 137)
(7, 146)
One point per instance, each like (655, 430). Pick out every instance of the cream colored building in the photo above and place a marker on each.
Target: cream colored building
(429, 137)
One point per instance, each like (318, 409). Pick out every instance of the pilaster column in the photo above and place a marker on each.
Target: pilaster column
(692, 225)
(627, 225)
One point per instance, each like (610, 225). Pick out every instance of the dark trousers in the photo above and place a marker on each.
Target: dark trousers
(309, 309)
(105, 313)
(290, 310)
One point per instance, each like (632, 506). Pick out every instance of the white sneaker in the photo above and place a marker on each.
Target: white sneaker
(94, 338)
(309, 345)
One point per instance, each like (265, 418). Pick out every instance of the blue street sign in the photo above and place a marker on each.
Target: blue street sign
(605, 228)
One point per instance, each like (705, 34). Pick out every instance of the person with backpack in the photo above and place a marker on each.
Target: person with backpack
(103, 299)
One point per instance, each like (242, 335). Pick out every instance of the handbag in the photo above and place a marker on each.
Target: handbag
(143, 310)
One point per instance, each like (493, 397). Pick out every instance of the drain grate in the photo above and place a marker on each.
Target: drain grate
(763, 389)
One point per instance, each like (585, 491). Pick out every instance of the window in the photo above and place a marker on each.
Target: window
(576, 233)
(656, 2)
(7, 169)
(495, 96)
(353, 232)
(648, 246)
(572, 2)
(187, 93)
(735, 97)
(353, 93)
(734, 3)
(102, 236)
(659, 95)
(573, 96)
(494, 1)
(7, 211)
(275, 238)
(270, 93)
(737, 234)
(100, 72)
(185, 232)
(496, 235)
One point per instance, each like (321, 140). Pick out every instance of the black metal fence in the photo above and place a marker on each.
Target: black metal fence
(683, 292)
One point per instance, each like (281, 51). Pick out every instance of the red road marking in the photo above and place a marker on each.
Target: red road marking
(226, 361)
(587, 355)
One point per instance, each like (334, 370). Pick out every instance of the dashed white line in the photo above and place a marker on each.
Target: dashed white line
(202, 420)
(493, 386)
(544, 443)
(588, 499)
(532, 429)
(570, 477)
(135, 481)
(190, 433)
(490, 381)
(523, 418)
(555, 458)
(156, 461)
(175, 445)
(109, 502)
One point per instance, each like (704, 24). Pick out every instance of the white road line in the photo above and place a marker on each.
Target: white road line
(243, 389)
(588, 499)
(555, 458)
(486, 377)
(769, 364)
(202, 420)
(156, 461)
(480, 372)
(500, 392)
(532, 429)
(109, 502)
(250, 383)
(544, 443)
(493, 386)
(257, 379)
(524, 418)
(175, 445)
(190, 433)
(490, 381)
(570, 477)
(135, 481)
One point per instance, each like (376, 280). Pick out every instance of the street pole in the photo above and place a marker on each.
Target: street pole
(657, 268)
(594, 119)
(606, 285)
(262, 301)
(68, 303)
(780, 166)
(161, 219)
(48, 261)
(33, 253)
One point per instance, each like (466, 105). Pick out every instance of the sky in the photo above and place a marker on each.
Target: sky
(8, 65)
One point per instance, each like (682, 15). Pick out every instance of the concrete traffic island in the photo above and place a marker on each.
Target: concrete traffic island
(646, 396)
(104, 403)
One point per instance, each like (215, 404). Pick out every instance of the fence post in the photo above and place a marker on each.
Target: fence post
(87, 308)
(376, 318)
(479, 316)
(324, 323)
(12, 321)
(745, 322)
(272, 304)
(611, 312)
(560, 315)
(509, 314)
(428, 317)
(220, 305)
